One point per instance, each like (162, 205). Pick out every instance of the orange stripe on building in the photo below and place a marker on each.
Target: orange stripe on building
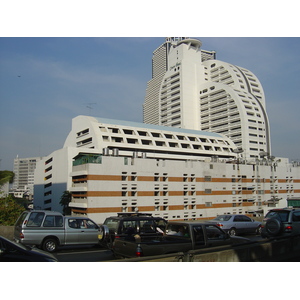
(146, 193)
(105, 177)
(175, 179)
(145, 178)
(176, 207)
(104, 194)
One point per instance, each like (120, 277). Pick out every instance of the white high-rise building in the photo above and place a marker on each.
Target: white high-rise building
(191, 89)
(24, 176)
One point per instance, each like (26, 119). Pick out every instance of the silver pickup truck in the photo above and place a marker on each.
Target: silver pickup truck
(50, 229)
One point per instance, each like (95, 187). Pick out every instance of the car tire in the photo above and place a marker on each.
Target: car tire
(232, 232)
(103, 233)
(50, 245)
(273, 227)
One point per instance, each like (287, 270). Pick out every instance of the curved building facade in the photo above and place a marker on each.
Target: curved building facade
(193, 90)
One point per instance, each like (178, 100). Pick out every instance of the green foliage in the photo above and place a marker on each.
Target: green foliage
(6, 176)
(9, 211)
(65, 199)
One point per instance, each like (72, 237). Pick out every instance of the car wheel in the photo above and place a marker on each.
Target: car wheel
(273, 227)
(50, 245)
(103, 234)
(258, 230)
(232, 231)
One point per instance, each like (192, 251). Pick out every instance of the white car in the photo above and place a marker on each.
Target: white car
(237, 224)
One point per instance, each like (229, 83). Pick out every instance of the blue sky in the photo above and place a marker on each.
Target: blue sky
(45, 82)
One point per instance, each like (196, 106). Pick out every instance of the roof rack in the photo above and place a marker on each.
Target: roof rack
(134, 214)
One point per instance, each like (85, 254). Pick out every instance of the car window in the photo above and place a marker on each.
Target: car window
(128, 224)
(245, 219)
(179, 230)
(238, 219)
(296, 216)
(87, 223)
(73, 223)
(281, 215)
(53, 221)
(112, 224)
(147, 226)
(222, 218)
(35, 219)
(9, 249)
(213, 232)
(21, 218)
(161, 224)
(198, 235)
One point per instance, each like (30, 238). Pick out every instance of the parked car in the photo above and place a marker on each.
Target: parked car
(13, 252)
(237, 224)
(281, 222)
(118, 227)
(178, 237)
(50, 229)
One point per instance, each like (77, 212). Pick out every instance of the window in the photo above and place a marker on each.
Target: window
(53, 221)
(198, 235)
(147, 226)
(296, 217)
(214, 233)
(207, 178)
(127, 225)
(35, 219)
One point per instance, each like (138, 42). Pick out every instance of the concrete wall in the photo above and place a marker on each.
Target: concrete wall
(7, 232)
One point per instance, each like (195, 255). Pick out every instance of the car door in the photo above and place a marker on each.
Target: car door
(238, 224)
(249, 225)
(87, 231)
(71, 231)
(215, 236)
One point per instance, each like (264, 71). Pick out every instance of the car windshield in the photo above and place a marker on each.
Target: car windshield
(281, 215)
(7, 243)
(222, 218)
(112, 224)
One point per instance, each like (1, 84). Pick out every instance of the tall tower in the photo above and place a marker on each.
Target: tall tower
(191, 89)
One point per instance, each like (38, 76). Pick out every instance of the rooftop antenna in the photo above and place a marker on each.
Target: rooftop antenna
(89, 106)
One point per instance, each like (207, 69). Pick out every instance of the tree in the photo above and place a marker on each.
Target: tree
(65, 199)
(6, 176)
(9, 211)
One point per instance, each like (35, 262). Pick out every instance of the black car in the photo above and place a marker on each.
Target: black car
(128, 224)
(14, 252)
(281, 222)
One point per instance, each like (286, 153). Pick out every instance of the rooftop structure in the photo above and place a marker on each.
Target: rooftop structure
(145, 139)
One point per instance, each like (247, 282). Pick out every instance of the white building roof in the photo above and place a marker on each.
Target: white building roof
(156, 141)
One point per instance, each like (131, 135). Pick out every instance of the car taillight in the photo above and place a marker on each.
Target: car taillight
(219, 224)
(288, 228)
(117, 236)
(138, 251)
(21, 235)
